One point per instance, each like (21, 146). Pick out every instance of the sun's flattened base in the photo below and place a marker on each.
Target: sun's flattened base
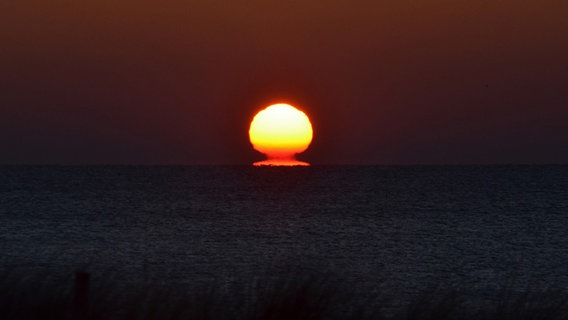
(280, 163)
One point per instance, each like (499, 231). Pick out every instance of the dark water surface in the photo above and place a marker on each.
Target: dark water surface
(413, 226)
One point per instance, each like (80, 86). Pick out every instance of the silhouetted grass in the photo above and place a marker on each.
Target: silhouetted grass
(44, 296)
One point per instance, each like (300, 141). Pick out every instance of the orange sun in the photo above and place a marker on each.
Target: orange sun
(280, 132)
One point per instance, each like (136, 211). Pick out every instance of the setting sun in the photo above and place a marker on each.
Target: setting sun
(280, 132)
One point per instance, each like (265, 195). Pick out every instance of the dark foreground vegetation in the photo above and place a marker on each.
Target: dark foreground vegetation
(79, 297)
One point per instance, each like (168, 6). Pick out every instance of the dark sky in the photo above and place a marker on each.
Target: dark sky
(384, 82)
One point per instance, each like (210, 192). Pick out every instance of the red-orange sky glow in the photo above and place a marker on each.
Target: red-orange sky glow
(384, 82)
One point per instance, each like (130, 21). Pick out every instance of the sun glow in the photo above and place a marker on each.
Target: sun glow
(280, 132)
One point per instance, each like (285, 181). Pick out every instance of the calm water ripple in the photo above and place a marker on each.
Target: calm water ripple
(479, 225)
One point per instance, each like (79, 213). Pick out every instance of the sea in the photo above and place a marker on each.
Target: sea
(397, 228)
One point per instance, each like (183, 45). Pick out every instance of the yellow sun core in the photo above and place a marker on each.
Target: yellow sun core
(280, 132)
